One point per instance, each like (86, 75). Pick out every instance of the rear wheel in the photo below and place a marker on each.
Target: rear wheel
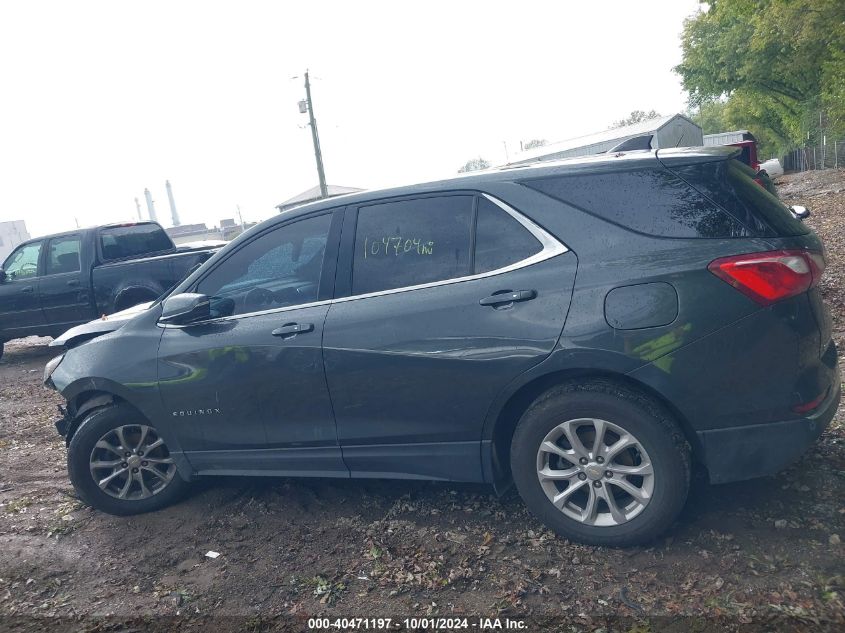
(119, 463)
(600, 464)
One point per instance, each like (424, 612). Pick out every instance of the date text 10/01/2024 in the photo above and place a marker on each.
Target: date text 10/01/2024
(423, 623)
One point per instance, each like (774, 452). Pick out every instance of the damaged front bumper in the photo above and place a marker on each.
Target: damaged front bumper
(64, 422)
(72, 415)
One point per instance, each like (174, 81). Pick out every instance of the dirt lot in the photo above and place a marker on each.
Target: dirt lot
(756, 555)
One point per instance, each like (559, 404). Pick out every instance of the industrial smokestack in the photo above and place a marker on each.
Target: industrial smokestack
(150, 207)
(138, 206)
(173, 213)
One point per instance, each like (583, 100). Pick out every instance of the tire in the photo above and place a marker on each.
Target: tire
(154, 483)
(652, 440)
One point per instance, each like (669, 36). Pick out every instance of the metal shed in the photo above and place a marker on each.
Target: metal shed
(312, 194)
(669, 131)
(728, 138)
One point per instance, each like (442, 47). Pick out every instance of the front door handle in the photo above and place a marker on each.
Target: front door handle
(293, 328)
(73, 283)
(508, 296)
(26, 289)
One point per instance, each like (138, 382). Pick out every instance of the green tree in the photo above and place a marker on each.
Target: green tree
(735, 114)
(710, 115)
(474, 164)
(636, 116)
(773, 64)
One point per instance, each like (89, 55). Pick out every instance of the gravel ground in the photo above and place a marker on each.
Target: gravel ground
(757, 556)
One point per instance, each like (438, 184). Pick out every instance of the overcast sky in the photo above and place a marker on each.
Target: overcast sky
(101, 99)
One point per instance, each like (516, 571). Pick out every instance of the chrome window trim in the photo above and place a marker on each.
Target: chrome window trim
(551, 247)
(299, 306)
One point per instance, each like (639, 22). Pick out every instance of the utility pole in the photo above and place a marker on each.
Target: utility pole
(324, 191)
(138, 207)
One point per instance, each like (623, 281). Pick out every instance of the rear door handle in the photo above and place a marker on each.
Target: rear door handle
(509, 296)
(293, 328)
(73, 283)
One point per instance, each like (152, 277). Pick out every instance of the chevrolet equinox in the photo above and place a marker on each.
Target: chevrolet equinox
(587, 329)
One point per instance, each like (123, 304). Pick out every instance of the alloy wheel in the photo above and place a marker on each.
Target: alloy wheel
(595, 472)
(131, 462)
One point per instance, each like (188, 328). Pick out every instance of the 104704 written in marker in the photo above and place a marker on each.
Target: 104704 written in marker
(396, 245)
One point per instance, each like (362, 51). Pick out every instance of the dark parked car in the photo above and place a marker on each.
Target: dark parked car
(587, 329)
(52, 283)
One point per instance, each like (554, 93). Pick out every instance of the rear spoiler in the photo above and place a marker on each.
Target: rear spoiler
(680, 156)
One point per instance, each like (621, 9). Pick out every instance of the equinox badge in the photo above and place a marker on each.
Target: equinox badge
(196, 412)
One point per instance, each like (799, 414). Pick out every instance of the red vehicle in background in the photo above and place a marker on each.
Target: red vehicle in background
(744, 140)
(738, 138)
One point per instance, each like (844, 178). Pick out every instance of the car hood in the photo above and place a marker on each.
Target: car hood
(98, 327)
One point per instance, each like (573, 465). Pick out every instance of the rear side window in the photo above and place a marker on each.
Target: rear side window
(650, 201)
(63, 255)
(731, 185)
(499, 239)
(411, 242)
(120, 242)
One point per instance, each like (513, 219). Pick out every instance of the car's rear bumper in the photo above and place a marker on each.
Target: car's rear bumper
(745, 452)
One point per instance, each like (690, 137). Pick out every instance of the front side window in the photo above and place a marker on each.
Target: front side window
(412, 242)
(23, 262)
(280, 268)
(63, 255)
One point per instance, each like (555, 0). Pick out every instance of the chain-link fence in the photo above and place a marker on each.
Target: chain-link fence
(828, 155)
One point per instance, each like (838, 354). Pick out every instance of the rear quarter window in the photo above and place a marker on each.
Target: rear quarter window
(133, 240)
(731, 185)
(652, 201)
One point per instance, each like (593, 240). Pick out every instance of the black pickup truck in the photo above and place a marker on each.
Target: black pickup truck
(52, 283)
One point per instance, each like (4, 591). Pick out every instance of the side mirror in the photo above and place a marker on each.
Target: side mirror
(2, 275)
(184, 308)
(802, 213)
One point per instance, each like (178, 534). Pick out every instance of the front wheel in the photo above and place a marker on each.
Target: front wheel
(600, 464)
(118, 463)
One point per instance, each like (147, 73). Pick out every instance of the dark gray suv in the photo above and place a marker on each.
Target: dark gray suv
(587, 329)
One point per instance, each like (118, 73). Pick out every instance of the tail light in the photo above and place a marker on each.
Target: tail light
(771, 276)
(813, 404)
